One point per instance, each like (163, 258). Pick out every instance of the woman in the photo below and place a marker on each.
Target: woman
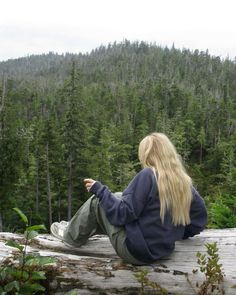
(159, 207)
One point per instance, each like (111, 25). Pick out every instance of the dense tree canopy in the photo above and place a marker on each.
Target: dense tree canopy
(66, 117)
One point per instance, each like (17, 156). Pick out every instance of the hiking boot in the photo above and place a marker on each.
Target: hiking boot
(58, 228)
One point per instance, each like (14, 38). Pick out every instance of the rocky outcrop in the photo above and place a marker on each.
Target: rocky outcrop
(96, 269)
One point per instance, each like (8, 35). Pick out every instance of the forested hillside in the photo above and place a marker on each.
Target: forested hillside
(66, 117)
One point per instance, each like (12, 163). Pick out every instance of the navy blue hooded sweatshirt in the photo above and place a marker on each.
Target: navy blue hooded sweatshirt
(148, 239)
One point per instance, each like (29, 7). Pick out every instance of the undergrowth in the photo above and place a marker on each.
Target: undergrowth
(23, 273)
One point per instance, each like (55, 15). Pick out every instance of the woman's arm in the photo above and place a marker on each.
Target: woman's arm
(122, 211)
(198, 216)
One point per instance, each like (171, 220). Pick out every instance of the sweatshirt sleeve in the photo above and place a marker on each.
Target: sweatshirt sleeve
(121, 211)
(198, 216)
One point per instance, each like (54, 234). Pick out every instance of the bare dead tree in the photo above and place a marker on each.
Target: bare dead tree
(70, 188)
(37, 187)
(2, 101)
(2, 98)
(49, 188)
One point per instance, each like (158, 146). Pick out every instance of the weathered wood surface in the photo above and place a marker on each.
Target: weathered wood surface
(96, 269)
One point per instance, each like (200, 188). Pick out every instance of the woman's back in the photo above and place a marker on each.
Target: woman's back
(148, 238)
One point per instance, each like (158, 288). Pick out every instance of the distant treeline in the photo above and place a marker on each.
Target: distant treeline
(66, 117)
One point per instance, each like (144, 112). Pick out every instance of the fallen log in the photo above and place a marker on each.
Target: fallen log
(96, 269)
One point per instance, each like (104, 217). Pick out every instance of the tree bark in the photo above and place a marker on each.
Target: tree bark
(49, 188)
(200, 156)
(69, 189)
(59, 208)
(37, 188)
(2, 101)
(1, 225)
(3, 94)
(96, 269)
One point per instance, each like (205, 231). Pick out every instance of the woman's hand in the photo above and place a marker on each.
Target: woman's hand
(89, 182)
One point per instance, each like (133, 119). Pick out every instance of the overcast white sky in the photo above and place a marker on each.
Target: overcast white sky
(34, 27)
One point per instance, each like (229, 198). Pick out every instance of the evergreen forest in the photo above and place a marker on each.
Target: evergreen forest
(66, 117)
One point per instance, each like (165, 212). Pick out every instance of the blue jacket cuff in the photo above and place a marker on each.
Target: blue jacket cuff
(95, 187)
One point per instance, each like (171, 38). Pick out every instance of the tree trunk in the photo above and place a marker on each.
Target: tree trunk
(94, 268)
(3, 94)
(69, 189)
(49, 189)
(2, 100)
(37, 189)
(1, 225)
(200, 157)
(59, 208)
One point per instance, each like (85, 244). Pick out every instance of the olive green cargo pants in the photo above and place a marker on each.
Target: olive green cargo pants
(89, 220)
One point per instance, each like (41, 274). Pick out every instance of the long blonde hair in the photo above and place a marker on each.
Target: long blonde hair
(157, 152)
